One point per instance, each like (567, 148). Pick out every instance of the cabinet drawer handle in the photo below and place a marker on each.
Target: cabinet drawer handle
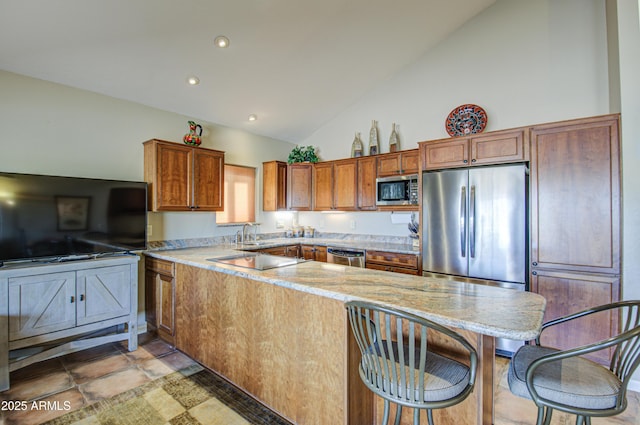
(73, 299)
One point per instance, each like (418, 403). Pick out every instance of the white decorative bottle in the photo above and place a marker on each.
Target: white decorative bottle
(394, 146)
(373, 139)
(357, 148)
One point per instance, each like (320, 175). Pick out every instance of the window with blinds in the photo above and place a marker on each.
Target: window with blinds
(239, 195)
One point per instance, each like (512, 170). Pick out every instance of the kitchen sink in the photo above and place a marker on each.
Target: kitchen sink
(256, 260)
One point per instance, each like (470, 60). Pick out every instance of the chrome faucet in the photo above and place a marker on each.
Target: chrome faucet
(244, 232)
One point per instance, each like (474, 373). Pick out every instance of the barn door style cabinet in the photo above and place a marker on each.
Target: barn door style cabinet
(182, 177)
(49, 310)
(575, 224)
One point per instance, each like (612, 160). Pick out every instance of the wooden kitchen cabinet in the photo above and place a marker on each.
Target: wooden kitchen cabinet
(284, 251)
(569, 292)
(345, 184)
(160, 288)
(314, 252)
(403, 162)
(393, 262)
(335, 185)
(575, 220)
(480, 149)
(274, 186)
(323, 186)
(299, 186)
(366, 192)
(182, 177)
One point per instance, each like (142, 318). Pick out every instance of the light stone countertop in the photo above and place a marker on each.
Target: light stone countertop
(487, 310)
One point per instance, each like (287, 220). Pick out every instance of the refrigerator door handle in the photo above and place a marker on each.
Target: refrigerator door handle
(472, 222)
(463, 226)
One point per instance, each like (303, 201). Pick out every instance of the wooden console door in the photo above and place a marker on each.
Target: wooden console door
(41, 304)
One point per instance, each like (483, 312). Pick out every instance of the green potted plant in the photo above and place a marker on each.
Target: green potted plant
(303, 154)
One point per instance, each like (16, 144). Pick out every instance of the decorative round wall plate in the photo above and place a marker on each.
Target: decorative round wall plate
(466, 119)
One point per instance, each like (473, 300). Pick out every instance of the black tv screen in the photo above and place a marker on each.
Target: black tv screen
(52, 217)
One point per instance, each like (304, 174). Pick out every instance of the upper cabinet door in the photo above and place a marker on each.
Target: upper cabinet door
(323, 186)
(367, 183)
(575, 195)
(498, 147)
(274, 186)
(345, 173)
(446, 153)
(172, 184)
(299, 186)
(208, 180)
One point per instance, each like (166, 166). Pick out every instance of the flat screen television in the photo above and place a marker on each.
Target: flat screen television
(58, 218)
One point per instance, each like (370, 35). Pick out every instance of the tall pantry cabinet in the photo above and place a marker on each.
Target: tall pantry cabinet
(575, 225)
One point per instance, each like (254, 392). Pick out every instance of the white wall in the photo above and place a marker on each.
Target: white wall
(524, 62)
(47, 128)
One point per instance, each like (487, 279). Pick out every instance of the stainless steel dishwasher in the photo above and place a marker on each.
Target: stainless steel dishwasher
(347, 257)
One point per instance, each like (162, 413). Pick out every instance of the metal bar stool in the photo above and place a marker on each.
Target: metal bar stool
(397, 365)
(566, 381)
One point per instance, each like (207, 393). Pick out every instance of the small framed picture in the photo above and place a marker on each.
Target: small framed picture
(373, 150)
(73, 212)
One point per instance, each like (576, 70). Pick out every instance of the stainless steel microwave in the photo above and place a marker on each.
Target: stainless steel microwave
(397, 190)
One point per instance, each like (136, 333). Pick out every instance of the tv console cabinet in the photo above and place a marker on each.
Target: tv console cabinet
(52, 309)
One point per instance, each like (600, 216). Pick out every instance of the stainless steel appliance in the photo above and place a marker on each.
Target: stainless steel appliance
(397, 190)
(347, 257)
(475, 227)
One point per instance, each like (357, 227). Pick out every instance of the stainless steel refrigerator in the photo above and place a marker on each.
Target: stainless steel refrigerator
(475, 227)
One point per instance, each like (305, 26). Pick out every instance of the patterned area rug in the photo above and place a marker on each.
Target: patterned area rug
(190, 396)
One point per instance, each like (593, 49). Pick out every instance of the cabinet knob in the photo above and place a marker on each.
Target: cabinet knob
(534, 273)
(473, 160)
(535, 263)
(81, 297)
(73, 299)
(465, 161)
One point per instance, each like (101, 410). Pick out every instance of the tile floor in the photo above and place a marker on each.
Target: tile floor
(80, 379)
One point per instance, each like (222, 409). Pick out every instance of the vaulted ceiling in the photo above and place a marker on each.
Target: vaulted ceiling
(294, 63)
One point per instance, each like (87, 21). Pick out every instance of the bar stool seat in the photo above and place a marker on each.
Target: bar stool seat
(397, 364)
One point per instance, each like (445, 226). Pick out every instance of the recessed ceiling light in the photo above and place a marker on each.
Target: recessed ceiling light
(253, 117)
(221, 41)
(193, 80)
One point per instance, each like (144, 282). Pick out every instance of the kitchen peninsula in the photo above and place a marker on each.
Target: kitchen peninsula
(283, 336)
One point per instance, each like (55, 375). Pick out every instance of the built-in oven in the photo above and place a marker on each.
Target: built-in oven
(397, 190)
(347, 257)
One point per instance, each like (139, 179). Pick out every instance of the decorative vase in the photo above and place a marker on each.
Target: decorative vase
(393, 140)
(357, 148)
(373, 139)
(193, 137)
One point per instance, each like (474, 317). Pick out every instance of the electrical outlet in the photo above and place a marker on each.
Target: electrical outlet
(352, 224)
(149, 230)
(279, 224)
